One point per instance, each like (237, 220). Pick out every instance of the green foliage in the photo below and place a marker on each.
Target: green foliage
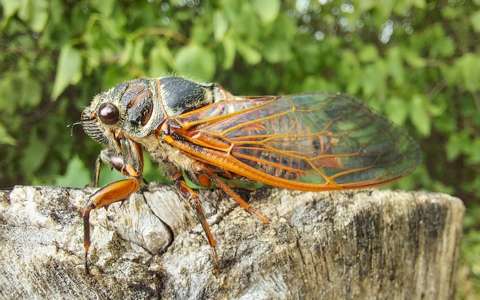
(416, 61)
(5, 138)
(195, 62)
(76, 175)
(68, 69)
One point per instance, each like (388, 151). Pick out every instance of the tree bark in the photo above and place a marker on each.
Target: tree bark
(370, 244)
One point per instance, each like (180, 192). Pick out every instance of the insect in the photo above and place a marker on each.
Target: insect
(311, 142)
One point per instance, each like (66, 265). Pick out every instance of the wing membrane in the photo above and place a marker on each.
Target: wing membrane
(319, 140)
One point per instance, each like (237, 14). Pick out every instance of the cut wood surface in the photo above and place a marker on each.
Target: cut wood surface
(371, 244)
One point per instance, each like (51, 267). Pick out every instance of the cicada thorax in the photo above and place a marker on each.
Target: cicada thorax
(149, 102)
(180, 95)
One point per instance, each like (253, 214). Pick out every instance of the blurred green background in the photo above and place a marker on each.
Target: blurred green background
(416, 61)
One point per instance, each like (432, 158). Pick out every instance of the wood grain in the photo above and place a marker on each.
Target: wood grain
(370, 244)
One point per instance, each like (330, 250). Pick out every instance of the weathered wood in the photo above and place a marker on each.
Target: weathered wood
(351, 245)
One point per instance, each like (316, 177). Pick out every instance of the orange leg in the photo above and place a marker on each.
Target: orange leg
(243, 204)
(203, 220)
(130, 163)
(114, 192)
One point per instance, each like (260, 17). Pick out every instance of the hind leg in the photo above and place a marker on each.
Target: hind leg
(202, 219)
(243, 204)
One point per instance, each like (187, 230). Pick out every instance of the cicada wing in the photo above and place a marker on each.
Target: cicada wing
(319, 140)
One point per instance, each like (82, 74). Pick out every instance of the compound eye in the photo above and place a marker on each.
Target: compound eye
(108, 113)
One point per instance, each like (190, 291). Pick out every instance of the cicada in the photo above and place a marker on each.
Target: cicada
(310, 142)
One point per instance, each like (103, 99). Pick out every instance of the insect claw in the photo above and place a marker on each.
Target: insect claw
(144, 189)
(86, 237)
(216, 262)
(87, 268)
(122, 202)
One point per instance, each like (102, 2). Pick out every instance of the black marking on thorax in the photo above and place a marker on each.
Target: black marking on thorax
(181, 95)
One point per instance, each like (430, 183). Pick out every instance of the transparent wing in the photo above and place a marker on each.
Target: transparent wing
(318, 140)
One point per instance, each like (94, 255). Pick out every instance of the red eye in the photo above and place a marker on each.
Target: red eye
(108, 113)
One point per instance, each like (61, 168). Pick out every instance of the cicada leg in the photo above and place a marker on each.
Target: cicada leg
(203, 220)
(243, 204)
(98, 166)
(109, 158)
(116, 191)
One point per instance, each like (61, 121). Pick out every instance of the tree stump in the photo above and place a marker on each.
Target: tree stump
(369, 244)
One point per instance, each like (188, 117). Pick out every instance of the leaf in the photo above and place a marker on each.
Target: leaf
(34, 154)
(397, 110)
(77, 175)
(419, 115)
(156, 172)
(105, 7)
(10, 7)
(5, 138)
(468, 67)
(196, 62)
(200, 34)
(267, 10)
(277, 51)
(19, 90)
(108, 175)
(443, 47)
(220, 25)
(31, 94)
(68, 69)
(137, 53)
(413, 58)
(419, 3)
(475, 20)
(373, 79)
(229, 49)
(35, 12)
(368, 53)
(474, 151)
(251, 55)
(127, 52)
(395, 65)
(159, 59)
(456, 145)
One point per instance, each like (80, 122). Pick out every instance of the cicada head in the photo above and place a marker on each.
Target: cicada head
(138, 107)
(125, 110)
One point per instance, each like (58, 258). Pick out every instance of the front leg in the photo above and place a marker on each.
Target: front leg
(131, 165)
(109, 158)
(111, 193)
(131, 155)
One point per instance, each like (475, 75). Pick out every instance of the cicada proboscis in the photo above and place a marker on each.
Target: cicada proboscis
(311, 142)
